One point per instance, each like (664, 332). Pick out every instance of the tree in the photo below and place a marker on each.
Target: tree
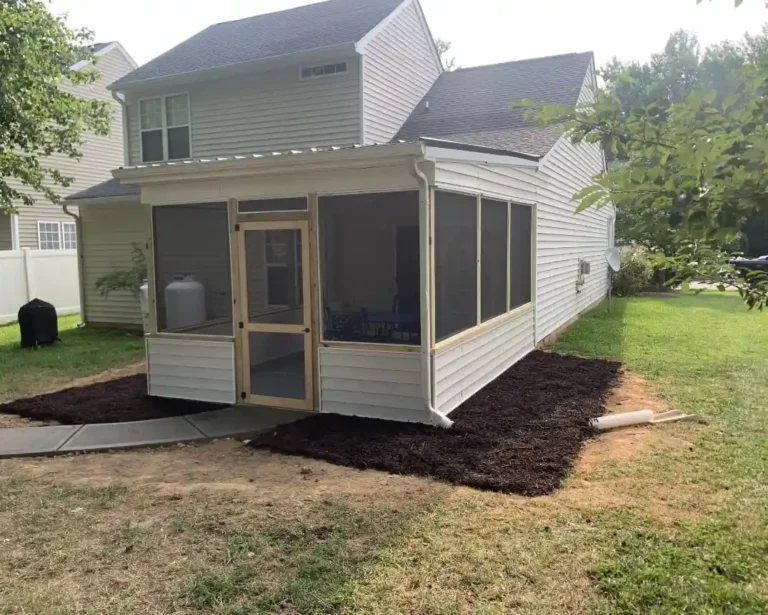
(37, 117)
(443, 47)
(695, 166)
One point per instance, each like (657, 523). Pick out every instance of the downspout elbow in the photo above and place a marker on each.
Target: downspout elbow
(436, 417)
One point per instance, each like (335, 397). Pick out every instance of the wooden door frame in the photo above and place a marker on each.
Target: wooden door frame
(305, 328)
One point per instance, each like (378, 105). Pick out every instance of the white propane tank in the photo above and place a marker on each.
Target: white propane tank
(184, 302)
(144, 301)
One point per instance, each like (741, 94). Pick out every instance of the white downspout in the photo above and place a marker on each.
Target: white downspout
(124, 110)
(15, 237)
(80, 276)
(435, 416)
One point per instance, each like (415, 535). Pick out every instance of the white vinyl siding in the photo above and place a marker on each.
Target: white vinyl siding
(100, 154)
(372, 384)
(399, 68)
(564, 236)
(191, 369)
(109, 232)
(272, 111)
(6, 232)
(463, 368)
(507, 183)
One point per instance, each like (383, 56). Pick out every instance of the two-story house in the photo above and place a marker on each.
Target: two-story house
(45, 226)
(333, 223)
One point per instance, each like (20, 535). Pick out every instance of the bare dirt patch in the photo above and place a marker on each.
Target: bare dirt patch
(633, 392)
(217, 467)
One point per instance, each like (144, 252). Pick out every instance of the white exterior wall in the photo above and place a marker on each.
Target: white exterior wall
(109, 232)
(264, 112)
(50, 275)
(564, 236)
(100, 154)
(191, 369)
(463, 368)
(400, 66)
(373, 384)
(507, 183)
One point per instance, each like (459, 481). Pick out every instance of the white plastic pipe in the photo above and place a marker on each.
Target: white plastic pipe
(626, 419)
(436, 417)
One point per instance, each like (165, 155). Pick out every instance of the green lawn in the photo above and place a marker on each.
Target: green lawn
(681, 526)
(82, 352)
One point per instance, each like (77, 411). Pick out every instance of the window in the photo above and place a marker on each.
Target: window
(284, 268)
(191, 244)
(69, 235)
(520, 256)
(49, 236)
(493, 246)
(326, 70)
(165, 128)
(455, 264)
(369, 268)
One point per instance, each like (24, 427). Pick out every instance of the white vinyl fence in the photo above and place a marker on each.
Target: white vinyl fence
(50, 275)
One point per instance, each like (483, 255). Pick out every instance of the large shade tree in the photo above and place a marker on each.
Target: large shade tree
(38, 53)
(689, 137)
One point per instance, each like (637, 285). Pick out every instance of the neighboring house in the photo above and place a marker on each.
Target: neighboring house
(45, 226)
(333, 223)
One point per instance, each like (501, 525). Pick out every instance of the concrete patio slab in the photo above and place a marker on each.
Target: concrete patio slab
(132, 435)
(242, 421)
(26, 441)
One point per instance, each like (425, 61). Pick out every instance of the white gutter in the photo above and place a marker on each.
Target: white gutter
(124, 110)
(435, 416)
(81, 279)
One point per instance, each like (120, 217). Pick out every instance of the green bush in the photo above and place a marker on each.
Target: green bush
(636, 273)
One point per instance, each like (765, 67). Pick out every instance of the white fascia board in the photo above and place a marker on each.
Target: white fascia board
(306, 162)
(440, 154)
(363, 42)
(82, 64)
(133, 199)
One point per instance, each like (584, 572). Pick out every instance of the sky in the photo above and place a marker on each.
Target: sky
(481, 31)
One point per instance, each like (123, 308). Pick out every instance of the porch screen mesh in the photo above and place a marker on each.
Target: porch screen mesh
(369, 268)
(520, 256)
(455, 264)
(493, 247)
(193, 283)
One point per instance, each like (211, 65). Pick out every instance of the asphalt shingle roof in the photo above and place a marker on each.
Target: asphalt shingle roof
(108, 189)
(473, 105)
(324, 24)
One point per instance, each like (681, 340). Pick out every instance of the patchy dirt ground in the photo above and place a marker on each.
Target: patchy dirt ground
(103, 400)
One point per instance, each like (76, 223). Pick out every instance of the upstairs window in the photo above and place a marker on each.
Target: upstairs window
(165, 128)
(325, 70)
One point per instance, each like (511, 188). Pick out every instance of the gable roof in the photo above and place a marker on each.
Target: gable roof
(325, 24)
(473, 105)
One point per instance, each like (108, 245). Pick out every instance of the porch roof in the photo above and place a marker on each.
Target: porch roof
(125, 184)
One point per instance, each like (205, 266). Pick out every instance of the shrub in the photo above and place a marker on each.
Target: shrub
(636, 273)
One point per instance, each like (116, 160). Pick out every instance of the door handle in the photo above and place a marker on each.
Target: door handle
(306, 330)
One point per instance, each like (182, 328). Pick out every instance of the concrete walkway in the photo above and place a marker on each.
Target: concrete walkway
(235, 422)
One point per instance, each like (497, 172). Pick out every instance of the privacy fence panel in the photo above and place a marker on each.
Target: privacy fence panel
(50, 275)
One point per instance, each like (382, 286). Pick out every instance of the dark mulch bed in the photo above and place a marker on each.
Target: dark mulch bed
(521, 434)
(116, 401)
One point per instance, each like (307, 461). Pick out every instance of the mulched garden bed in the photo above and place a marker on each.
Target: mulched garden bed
(520, 434)
(117, 401)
